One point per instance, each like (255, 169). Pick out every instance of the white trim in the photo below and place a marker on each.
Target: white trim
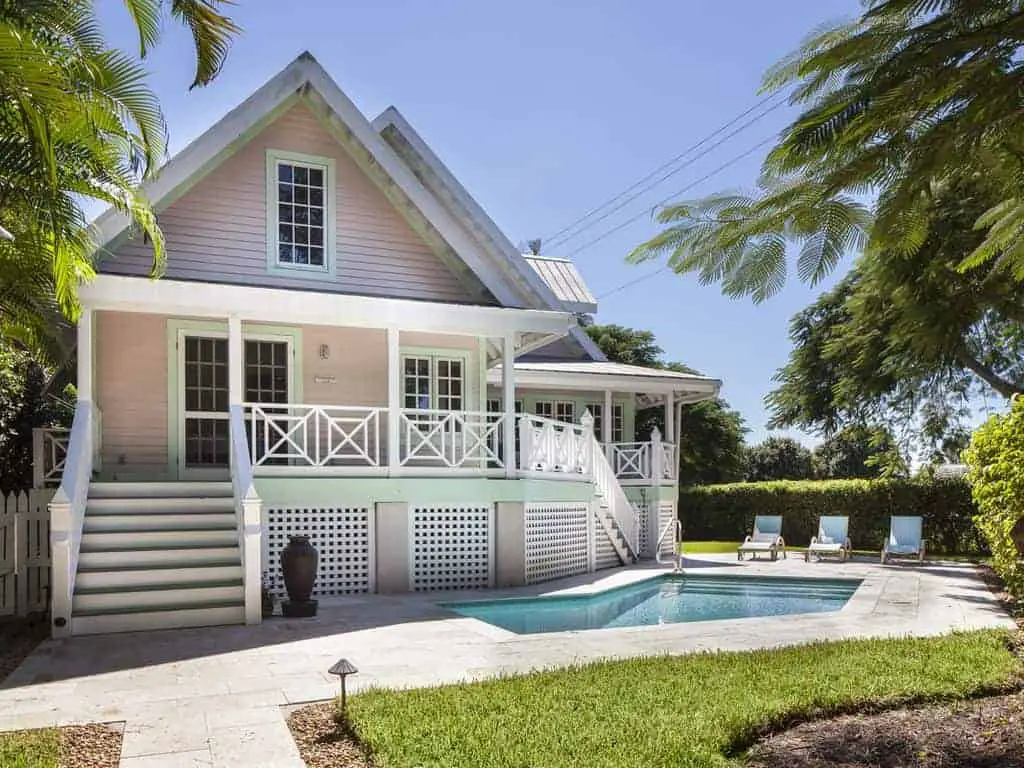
(85, 354)
(688, 389)
(394, 398)
(273, 305)
(330, 235)
(508, 391)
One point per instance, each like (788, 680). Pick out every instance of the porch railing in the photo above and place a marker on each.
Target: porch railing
(450, 440)
(554, 448)
(49, 455)
(653, 462)
(313, 435)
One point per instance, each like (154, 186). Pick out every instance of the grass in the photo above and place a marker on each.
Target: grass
(686, 712)
(30, 749)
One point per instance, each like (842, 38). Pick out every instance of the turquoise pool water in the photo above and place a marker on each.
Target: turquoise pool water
(666, 599)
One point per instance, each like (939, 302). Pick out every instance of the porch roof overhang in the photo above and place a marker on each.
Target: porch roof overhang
(592, 375)
(530, 327)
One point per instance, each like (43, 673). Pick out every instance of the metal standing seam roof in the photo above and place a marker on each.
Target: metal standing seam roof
(561, 373)
(565, 281)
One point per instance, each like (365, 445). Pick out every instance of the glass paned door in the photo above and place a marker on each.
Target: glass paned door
(267, 383)
(205, 443)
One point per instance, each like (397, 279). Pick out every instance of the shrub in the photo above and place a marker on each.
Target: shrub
(996, 460)
(727, 511)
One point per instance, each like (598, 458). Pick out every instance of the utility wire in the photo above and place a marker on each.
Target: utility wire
(633, 282)
(677, 193)
(566, 232)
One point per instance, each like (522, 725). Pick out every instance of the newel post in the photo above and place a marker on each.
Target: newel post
(252, 548)
(657, 456)
(587, 422)
(62, 570)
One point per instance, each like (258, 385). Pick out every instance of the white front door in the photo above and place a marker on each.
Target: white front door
(203, 434)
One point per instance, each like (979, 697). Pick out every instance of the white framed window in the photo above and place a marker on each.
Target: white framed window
(559, 410)
(434, 382)
(300, 212)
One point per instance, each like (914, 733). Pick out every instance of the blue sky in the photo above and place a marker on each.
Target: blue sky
(545, 110)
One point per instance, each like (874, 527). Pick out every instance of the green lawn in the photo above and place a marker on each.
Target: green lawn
(30, 749)
(684, 712)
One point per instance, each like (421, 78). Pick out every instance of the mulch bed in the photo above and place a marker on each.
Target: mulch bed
(986, 733)
(18, 638)
(90, 746)
(323, 742)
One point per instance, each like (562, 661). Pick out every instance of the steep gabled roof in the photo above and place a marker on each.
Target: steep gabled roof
(436, 176)
(450, 232)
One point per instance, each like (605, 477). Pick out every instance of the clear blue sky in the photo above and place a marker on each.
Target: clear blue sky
(544, 110)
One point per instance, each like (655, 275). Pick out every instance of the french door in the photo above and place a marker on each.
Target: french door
(203, 434)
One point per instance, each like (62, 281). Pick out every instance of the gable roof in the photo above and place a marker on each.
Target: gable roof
(433, 173)
(510, 281)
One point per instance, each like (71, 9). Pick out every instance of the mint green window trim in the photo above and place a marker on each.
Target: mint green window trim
(220, 329)
(470, 375)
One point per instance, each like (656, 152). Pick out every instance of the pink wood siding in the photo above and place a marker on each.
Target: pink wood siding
(217, 231)
(131, 391)
(357, 359)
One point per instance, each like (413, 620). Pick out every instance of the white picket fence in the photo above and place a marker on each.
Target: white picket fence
(25, 552)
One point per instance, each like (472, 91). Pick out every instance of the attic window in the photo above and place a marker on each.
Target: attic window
(300, 231)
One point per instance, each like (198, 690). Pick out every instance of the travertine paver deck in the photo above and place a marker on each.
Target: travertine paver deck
(213, 697)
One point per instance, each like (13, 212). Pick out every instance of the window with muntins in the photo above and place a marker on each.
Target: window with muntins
(433, 382)
(300, 222)
(618, 421)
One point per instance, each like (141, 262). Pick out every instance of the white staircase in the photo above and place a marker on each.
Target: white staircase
(612, 530)
(158, 556)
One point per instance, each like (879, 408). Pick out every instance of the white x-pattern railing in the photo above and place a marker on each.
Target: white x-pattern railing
(553, 447)
(50, 453)
(450, 439)
(314, 435)
(651, 462)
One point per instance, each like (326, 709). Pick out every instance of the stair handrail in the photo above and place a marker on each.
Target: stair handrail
(676, 524)
(67, 516)
(248, 515)
(608, 486)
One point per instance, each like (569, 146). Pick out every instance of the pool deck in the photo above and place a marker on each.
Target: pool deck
(213, 697)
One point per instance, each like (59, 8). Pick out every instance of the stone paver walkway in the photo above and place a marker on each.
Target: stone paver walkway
(214, 697)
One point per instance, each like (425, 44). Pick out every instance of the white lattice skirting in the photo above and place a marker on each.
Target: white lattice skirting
(451, 547)
(605, 555)
(342, 535)
(556, 540)
(666, 514)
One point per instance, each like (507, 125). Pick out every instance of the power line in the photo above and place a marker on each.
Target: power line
(677, 193)
(562, 236)
(632, 282)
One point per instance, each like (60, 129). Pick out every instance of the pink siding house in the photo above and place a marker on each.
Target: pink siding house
(345, 346)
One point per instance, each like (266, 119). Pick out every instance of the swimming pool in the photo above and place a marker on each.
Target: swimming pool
(666, 599)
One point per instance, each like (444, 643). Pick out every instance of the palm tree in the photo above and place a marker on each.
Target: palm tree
(77, 121)
(909, 99)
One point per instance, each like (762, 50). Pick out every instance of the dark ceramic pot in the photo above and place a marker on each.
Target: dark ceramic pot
(299, 561)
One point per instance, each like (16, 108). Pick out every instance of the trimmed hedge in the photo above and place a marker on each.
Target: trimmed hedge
(996, 460)
(726, 512)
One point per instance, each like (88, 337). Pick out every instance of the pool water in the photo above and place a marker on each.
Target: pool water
(666, 599)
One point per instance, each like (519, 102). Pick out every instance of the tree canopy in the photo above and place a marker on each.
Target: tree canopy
(778, 458)
(711, 433)
(77, 122)
(910, 98)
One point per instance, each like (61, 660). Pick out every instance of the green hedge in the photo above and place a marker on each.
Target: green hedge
(726, 512)
(996, 459)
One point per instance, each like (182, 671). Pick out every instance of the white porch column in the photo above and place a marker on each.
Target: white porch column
(85, 355)
(236, 366)
(607, 420)
(508, 394)
(670, 416)
(394, 398)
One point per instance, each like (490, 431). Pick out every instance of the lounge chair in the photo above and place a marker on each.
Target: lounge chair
(832, 538)
(904, 539)
(767, 538)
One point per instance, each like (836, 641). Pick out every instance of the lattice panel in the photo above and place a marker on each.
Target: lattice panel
(452, 547)
(666, 514)
(642, 511)
(340, 534)
(605, 554)
(556, 540)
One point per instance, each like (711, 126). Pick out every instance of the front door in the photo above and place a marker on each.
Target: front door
(203, 434)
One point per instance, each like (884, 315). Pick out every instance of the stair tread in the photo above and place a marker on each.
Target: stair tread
(135, 609)
(184, 564)
(169, 546)
(159, 587)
